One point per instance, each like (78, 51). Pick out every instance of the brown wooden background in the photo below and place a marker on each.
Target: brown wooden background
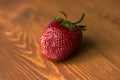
(23, 21)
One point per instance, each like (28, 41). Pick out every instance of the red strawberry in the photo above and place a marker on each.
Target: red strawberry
(61, 38)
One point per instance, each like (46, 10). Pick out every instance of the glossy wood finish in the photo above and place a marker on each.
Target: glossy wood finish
(22, 22)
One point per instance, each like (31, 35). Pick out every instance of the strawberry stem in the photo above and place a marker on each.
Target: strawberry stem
(71, 25)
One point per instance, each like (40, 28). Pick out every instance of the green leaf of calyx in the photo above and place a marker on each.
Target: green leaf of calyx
(82, 27)
(63, 23)
(71, 25)
(81, 19)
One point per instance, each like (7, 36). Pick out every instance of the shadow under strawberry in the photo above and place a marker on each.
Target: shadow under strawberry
(83, 52)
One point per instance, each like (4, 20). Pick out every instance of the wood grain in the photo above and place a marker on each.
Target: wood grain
(22, 22)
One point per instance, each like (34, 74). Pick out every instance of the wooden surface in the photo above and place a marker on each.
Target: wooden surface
(23, 21)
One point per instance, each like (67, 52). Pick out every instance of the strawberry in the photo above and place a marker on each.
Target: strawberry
(61, 38)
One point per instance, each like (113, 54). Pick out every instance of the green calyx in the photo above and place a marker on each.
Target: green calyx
(72, 25)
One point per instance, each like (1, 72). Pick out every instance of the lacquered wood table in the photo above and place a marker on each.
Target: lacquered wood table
(23, 21)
